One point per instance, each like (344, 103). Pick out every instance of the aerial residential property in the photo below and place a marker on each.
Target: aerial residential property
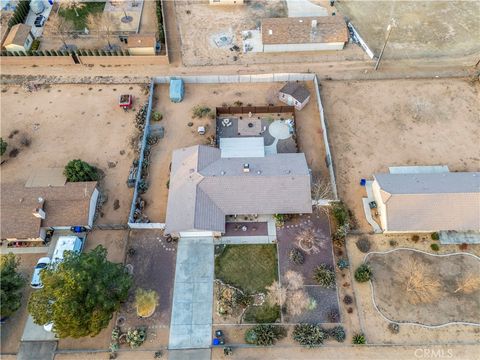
(230, 179)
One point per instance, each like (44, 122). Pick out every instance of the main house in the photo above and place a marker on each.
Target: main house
(428, 202)
(28, 212)
(206, 187)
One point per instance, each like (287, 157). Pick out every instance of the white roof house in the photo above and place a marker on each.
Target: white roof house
(428, 202)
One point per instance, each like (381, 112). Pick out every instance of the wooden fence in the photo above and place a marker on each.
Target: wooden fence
(254, 109)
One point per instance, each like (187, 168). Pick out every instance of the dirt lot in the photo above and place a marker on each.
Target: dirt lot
(424, 28)
(11, 332)
(200, 23)
(375, 326)
(68, 122)
(435, 307)
(377, 124)
(177, 134)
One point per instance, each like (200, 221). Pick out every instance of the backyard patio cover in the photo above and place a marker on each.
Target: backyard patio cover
(204, 188)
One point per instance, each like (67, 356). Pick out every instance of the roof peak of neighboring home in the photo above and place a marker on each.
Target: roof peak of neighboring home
(17, 34)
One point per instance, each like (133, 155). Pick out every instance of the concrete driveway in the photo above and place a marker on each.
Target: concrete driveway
(191, 322)
(37, 350)
(303, 8)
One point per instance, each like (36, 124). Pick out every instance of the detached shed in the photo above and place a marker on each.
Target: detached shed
(294, 94)
(177, 90)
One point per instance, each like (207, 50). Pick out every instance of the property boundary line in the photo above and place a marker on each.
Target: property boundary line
(418, 323)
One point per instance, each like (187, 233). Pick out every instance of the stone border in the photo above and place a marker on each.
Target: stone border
(417, 323)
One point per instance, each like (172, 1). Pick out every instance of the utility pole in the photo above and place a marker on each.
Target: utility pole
(387, 36)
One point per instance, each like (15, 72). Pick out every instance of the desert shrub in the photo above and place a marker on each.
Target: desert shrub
(363, 273)
(13, 153)
(463, 247)
(293, 280)
(238, 103)
(347, 300)
(296, 256)
(338, 333)
(35, 45)
(78, 170)
(434, 247)
(421, 287)
(359, 339)
(435, 236)
(350, 310)
(415, 238)
(343, 264)
(145, 302)
(279, 219)
(264, 334)
(333, 315)
(468, 284)
(309, 241)
(309, 334)
(243, 299)
(3, 146)
(157, 116)
(340, 213)
(136, 337)
(298, 301)
(324, 276)
(394, 328)
(363, 245)
(393, 243)
(25, 141)
(200, 111)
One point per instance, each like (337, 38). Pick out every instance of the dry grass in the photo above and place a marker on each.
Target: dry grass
(293, 280)
(276, 294)
(469, 284)
(297, 302)
(420, 286)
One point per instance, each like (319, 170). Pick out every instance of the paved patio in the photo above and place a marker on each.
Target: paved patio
(191, 322)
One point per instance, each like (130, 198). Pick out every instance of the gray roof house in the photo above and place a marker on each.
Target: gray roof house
(428, 202)
(294, 94)
(205, 187)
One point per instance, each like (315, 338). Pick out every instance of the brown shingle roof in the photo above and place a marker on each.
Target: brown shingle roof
(64, 206)
(204, 187)
(17, 35)
(431, 202)
(296, 90)
(329, 29)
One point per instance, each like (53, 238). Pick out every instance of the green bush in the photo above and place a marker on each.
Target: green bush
(157, 116)
(435, 236)
(78, 170)
(359, 339)
(161, 34)
(324, 276)
(35, 45)
(363, 273)
(264, 334)
(3, 146)
(20, 13)
(200, 111)
(136, 337)
(338, 333)
(309, 334)
(296, 256)
(340, 213)
(435, 247)
(11, 285)
(264, 314)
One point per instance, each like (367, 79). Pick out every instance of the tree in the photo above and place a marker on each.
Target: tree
(145, 301)
(3, 146)
(103, 24)
(72, 4)
(80, 294)
(61, 27)
(78, 170)
(10, 286)
(363, 273)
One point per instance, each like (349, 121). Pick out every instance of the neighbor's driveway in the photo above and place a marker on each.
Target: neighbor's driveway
(303, 8)
(191, 323)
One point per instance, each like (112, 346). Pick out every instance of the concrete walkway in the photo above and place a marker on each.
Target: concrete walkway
(191, 323)
(302, 8)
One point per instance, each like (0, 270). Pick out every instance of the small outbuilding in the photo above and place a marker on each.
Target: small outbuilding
(177, 90)
(19, 38)
(142, 44)
(294, 94)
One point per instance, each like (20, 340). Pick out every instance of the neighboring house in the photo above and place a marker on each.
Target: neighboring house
(294, 94)
(19, 38)
(304, 34)
(226, 2)
(142, 44)
(428, 202)
(28, 212)
(205, 187)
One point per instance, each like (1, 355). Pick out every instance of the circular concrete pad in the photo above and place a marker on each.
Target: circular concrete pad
(278, 129)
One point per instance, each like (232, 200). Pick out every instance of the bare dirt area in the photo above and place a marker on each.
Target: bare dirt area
(426, 289)
(201, 25)
(451, 25)
(375, 326)
(12, 330)
(178, 134)
(66, 122)
(377, 124)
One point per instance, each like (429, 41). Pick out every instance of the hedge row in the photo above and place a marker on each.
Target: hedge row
(80, 52)
(161, 33)
(20, 13)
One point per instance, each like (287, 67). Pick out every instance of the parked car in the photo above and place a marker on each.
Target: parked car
(40, 21)
(42, 263)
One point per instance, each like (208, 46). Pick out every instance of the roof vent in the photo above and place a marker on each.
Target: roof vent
(259, 172)
(270, 32)
(39, 213)
(287, 171)
(222, 172)
(314, 24)
(246, 168)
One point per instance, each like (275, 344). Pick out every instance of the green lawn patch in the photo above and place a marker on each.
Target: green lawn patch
(80, 21)
(265, 314)
(249, 267)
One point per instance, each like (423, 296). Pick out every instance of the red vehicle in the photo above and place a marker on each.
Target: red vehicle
(126, 102)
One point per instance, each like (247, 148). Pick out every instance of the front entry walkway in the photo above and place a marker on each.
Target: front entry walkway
(191, 323)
